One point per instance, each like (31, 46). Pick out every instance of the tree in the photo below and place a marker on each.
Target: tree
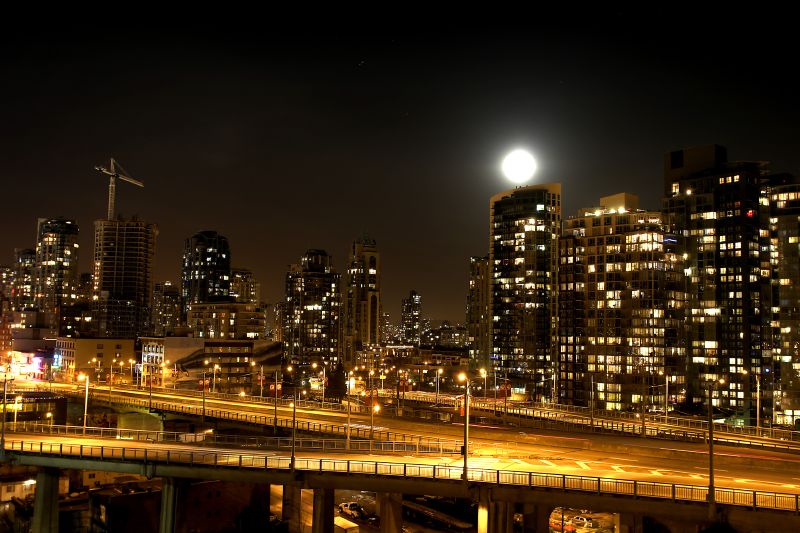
(337, 383)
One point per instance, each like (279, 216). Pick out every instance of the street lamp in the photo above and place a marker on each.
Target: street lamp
(314, 366)
(49, 416)
(758, 402)
(85, 401)
(294, 428)
(438, 373)
(375, 408)
(463, 377)
(485, 388)
(16, 409)
(131, 361)
(3, 430)
(666, 396)
(347, 394)
(712, 504)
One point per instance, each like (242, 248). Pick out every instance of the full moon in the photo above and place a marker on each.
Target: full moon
(518, 166)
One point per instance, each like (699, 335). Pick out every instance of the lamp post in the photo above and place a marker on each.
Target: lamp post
(463, 377)
(294, 428)
(275, 406)
(85, 403)
(131, 361)
(438, 373)
(49, 416)
(17, 399)
(485, 388)
(203, 388)
(347, 394)
(3, 431)
(758, 402)
(712, 504)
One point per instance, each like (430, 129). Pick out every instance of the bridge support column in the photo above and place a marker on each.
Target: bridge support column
(293, 507)
(171, 489)
(630, 523)
(45, 504)
(501, 517)
(322, 521)
(390, 510)
(535, 518)
(483, 512)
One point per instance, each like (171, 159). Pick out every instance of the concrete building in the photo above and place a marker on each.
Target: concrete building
(715, 209)
(22, 290)
(411, 318)
(167, 309)
(160, 356)
(361, 300)
(621, 309)
(206, 272)
(245, 288)
(311, 311)
(55, 281)
(227, 320)
(478, 324)
(524, 226)
(124, 252)
(783, 193)
(93, 357)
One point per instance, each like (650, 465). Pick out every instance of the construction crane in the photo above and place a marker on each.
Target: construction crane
(113, 174)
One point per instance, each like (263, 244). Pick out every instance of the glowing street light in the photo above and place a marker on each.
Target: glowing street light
(712, 504)
(86, 400)
(16, 409)
(49, 416)
(294, 428)
(463, 377)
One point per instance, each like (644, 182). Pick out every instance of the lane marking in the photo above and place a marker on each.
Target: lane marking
(583, 465)
(549, 463)
(617, 468)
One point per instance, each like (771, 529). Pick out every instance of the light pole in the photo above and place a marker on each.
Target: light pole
(463, 377)
(375, 408)
(3, 431)
(17, 399)
(275, 406)
(591, 403)
(49, 416)
(131, 361)
(85, 403)
(438, 373)
(294, 428)
(203, 388)
(485, 388)
(666, 396)
(712, 504)
(347, 394)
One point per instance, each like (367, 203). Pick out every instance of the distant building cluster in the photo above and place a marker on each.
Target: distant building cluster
(615, 306)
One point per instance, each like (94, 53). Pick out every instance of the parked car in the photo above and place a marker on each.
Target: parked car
(593, 523)
(562, 516)
(353, 510)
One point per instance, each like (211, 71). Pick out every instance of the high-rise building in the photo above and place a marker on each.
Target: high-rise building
(227, 320)
(124, 252)
(206, 273)
(524, 226)
(6, 283)
(167, 309)
(361, 300)
(478, 323)
(56, 272)
(411, 318)
(244, 286)
(783, 194)
(621, 300)
(22, 290)
(311, 310)
(716, 209)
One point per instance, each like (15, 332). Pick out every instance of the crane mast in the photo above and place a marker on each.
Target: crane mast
(112, 183)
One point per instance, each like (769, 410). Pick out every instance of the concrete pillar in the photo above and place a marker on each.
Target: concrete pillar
(501, 517)
(630, 523)
(293, 507)
(45, 503)
(322, 521)
(483, 513)
(535, 518)
(171, 489)
(390, 510)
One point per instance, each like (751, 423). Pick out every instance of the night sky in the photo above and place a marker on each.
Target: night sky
(290, 139)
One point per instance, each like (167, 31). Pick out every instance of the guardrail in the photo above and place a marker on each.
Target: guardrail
(756, 500)
(357, 430)
(276, 443)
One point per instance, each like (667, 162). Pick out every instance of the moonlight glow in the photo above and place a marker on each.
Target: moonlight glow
(518, 166)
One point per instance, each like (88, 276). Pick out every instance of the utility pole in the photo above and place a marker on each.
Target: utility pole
(3, 433)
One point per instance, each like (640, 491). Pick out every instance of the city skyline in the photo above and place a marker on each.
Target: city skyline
(295, 143)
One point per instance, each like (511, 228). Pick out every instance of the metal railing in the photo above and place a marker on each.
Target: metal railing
(357, 430)
(756, 500)
(239, 441)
